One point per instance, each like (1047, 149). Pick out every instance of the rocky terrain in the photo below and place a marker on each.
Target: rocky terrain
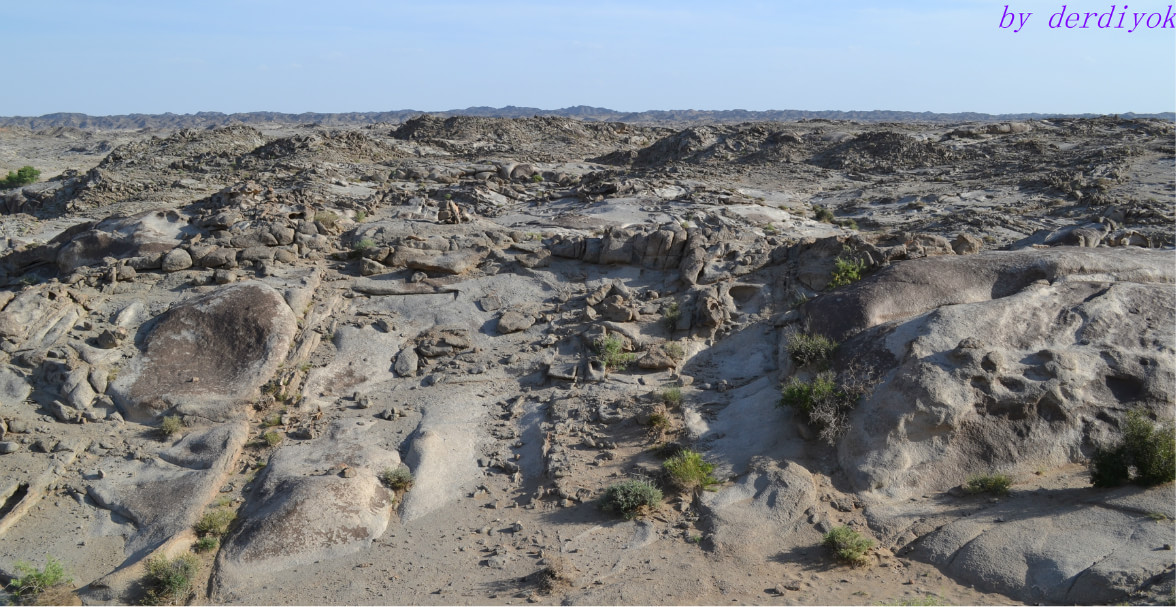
(262, 322)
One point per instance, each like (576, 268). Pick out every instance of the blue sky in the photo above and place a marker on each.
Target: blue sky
(337, 56)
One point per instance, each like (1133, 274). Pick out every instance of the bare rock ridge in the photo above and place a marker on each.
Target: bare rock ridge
(401, 358)
(586, 113)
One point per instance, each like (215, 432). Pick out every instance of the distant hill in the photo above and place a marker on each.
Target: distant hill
(582, 112)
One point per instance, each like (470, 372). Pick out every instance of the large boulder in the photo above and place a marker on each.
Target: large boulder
(165, 495)
(208, 355)
(908, 289)
(316, 501)
(1020, 361)
(1084, 548)
(148, 233)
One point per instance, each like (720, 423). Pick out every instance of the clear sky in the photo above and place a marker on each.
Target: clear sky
(178, 56)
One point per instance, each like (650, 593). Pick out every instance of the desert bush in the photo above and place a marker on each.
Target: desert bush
(629, 498)
(824, 402)
(206, 543)
(272, 438)
(671, 315)
(810, 349)
(363, 245)
(554, 575)
(659, 420)
(672, 396)
(848, 546)
(846, 271)
(171, 426)
(400, 479)
(169, 581)
(22, 176)
(327, 218)
(1146, 455)
(610, 351)
(688, 471)
(31, 583)
(675, 351)
(536, 178)
(215, 523)
(272, 420)
(821, 213)
(995, 484)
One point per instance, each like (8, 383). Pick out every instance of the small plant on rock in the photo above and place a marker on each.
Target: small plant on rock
(327, 218)
(824, 402)
(675, 351)
(272, 438)
(1146, 455)
(630, 498)
(821, 213)
(689, 472)
(809, 349)
(400, 479)
(848, 546)
(171, 426)
(659, 420)
(215, 523)
(846, 271)
(610, 349)
(170, 580)
(994, 484)
(33, 586)
(672, 396)
(206, 544)
(670, 316)
(536, 178)
(363, 245)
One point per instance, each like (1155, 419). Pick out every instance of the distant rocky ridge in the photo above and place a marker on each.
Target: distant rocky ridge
(582, 112)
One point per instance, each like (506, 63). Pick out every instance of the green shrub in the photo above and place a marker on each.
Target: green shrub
(848, 545)
(823, 402)
(327, 218)
(808, 349)
(22, 176)
(846, 271)
(537, 178)
(31, 582)
(400, 479)
(272, 438)
(675, 351)
(169, 581)
(215, 523)
(206, 543)
(995, 484)
(610, 351)
(671, 315)
(821, 213)
(629, 498)
(272, 420)
(1146, 455)
(363, 245)
(672, 396)
(658, 420)
(360, 216)
(688, 471)
(171, 426)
